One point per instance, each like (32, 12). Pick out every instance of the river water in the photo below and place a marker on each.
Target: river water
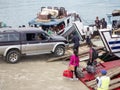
(19, 12)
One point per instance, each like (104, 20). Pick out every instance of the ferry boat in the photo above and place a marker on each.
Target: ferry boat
(111, 36)
(57, 18)
(61, 21)
(114, 19)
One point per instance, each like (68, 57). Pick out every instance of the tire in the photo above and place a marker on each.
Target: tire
(59, 51)
(13, 56)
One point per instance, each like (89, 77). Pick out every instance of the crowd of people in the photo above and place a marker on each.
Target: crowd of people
(102, 81)
(74, 58)
(55, 30)
(100, 24)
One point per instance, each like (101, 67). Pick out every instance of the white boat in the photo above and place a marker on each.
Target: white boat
(111, 36)
(114, 19)
(54, 16)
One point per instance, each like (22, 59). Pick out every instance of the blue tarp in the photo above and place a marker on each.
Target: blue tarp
(51, 22)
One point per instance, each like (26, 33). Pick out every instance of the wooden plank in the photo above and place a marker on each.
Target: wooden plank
(66, 57)
(111, 73)
(85, 57)
(114, 86)
(86, 51)
(58, 58)
(112, 82)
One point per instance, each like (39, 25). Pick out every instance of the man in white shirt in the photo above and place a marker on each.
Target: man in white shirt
(88, 36)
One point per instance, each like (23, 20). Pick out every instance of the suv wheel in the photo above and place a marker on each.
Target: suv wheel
(13, 56)
(59, 50)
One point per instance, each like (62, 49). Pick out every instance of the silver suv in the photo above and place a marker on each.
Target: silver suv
(29, 41)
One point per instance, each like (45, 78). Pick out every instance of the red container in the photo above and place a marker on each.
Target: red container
(68, 74)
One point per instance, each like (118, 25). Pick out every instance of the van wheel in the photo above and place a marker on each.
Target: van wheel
(59, 50)
(13, 56)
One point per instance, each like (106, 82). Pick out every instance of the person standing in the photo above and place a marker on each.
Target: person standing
(91, 64)
(103, 81)
(93, 55)
(49, 31)
(76, 41)
(74, 60)
(118, 24)
(88, 36)
(91, 59)
(97, 23)
(104, 23)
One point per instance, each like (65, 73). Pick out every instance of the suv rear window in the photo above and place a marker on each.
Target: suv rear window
(9, 37)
